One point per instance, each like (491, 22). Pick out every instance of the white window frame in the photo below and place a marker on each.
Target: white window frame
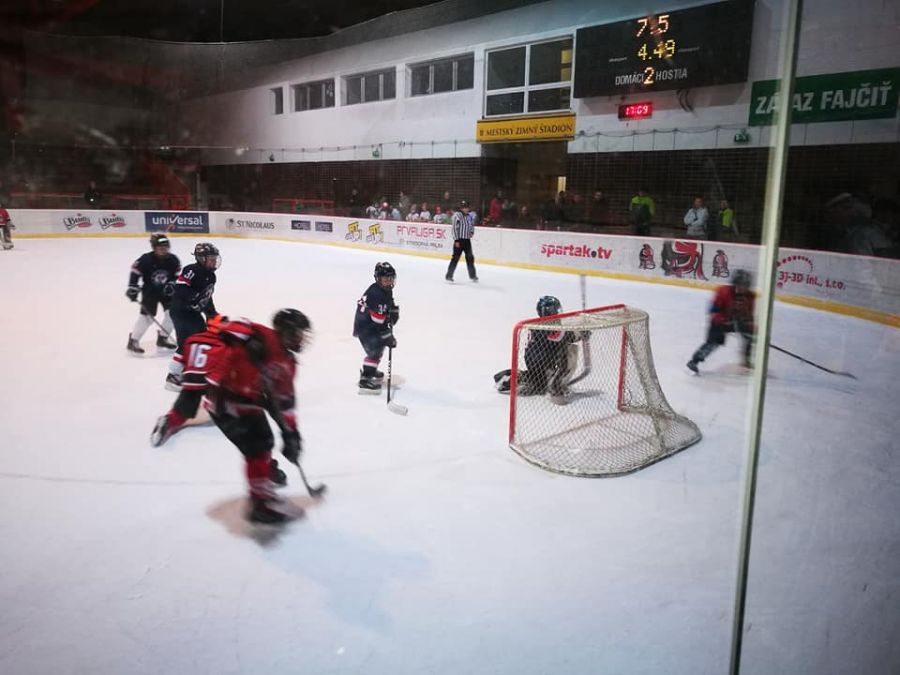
(303, 89)
(527, 87)
(431, 64)
(276, 94)
(362, 85)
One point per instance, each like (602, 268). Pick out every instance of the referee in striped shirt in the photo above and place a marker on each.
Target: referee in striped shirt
(463, 231)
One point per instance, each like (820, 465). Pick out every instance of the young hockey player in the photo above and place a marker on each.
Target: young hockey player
(252, 375)
(200, 351)
(731, 311)
(6, 225)
(548, 358)
(157, 270)
(376, 315)
(192, 299)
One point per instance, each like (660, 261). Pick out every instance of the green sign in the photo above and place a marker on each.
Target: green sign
(862, 95)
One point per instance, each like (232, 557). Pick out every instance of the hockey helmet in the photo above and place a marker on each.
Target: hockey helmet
(159, 239)
(548, 306)
(387, 271)
(215, 323)
(463, 204)
(742, 279)
(293, 328)
(205, 251)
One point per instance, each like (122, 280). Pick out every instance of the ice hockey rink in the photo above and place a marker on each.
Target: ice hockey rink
(437, 549)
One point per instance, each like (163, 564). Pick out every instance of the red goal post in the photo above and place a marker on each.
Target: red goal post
(584, 396)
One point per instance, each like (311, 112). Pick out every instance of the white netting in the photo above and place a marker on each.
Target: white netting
(586, 400)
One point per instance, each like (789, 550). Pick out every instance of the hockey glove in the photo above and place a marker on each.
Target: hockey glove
(168, 290)
(293, 445)
(132, 293)
(390, 341)
(394, 315)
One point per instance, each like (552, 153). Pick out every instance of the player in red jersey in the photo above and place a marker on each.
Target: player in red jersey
(251, 376)
(199, 351)
(731, 311)
(6, 225)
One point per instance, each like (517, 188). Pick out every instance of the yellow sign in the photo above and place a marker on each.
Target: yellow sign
(555, 128)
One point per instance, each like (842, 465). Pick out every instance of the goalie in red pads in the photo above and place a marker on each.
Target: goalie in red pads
(549, 359)
(731, 312)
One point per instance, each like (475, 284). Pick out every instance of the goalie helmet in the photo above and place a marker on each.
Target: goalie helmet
(742, 279)
(548, 306)
(384, 270)
(293, 328)
(205, 251)
(159, 239)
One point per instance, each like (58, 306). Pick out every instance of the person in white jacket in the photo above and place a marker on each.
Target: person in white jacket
(697, 219)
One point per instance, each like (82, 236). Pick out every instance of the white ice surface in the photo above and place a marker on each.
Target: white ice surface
(438, 550)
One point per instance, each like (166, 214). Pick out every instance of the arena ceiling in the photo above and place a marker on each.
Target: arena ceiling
(197, 20)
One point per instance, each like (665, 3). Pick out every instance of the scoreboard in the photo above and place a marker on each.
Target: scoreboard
(695, 47)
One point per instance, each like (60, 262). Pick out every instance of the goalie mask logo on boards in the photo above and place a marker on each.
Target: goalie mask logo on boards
(683, 259)
(720, 264)
(645, 258)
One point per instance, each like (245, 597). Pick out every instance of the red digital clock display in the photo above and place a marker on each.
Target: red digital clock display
(635, 111)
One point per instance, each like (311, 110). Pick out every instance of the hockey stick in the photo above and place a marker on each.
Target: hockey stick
(153, 319)
(393, 407)
(814, 365)
(314, 491)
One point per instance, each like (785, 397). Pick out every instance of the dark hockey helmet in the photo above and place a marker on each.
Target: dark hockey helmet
(548, 306)
(204, 252)
(159, 239)
(463, 204)
(742, 279)
(384, 270)
(293, 328)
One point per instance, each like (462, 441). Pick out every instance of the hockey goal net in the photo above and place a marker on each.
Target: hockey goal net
(584, 396)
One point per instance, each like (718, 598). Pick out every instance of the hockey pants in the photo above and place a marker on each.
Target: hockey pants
(252, 435)
(715, 338)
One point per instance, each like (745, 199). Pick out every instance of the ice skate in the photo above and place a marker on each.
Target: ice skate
(265, 511)
(134, 346)
(692, 366)
(369, 385)
(162, 431)
(165, 342)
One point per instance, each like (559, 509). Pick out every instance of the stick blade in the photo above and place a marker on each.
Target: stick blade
(397, 408)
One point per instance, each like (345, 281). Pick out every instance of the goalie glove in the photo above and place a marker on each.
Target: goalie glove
(132, 293)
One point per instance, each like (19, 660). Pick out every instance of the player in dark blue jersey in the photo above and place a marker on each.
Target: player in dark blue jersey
(376, 315)
(156, 271)
(192, 300)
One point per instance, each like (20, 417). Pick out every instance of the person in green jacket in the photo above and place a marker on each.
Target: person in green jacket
(727, 225)
(642, 209)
